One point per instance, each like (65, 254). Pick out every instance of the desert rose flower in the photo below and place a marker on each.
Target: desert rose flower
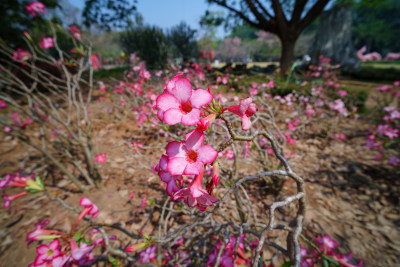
(166, 177)
(180, 103)
(195, 195)
(46, 43)
(21, 55)
(90, 209)
(47, 253)
(73, 29)
(188, 157)
(101, 158)
(245, 110)
(34, 8)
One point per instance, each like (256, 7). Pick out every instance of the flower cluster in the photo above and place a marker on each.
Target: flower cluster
(325, 250)
(182, 168)
(228, 254)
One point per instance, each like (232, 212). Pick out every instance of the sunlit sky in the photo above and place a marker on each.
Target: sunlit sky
(167, 13)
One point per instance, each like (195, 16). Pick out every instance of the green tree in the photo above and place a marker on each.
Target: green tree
(286, 19)
(183, 42)
(149, 42)
(376, 24)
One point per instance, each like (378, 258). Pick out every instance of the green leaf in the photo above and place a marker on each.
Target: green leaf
(286, 264)
(151, 201)
(40, 182)
(330, 260)
(260, 262)
(325, 262)
(114, 262)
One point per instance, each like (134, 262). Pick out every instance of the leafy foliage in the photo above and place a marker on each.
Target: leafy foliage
(183, 42)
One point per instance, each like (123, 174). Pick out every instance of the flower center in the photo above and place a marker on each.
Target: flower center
(192, 156)
(49, 253)
(186, 107)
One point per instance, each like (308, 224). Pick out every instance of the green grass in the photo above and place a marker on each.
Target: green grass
(99, 74)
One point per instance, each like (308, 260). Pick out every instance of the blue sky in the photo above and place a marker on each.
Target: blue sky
(167, 13)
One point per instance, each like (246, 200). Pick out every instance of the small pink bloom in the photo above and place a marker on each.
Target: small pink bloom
(188, 157)
(101, 158)
(75, 32)
(3, 104)
(42, 234)
(342, 93)
(394, 161)
(21, 55)
(34, 8)
(180, 103)
(46, 43)
(195, 195)
(203, 124)
(132, 195)
(326, 244)
(396, 83)
(147, 255)
(8, 199)
(47, 253)
(230, 154)
(89, 208)
(245, 110)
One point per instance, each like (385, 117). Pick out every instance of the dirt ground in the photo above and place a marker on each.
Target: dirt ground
(349, 195)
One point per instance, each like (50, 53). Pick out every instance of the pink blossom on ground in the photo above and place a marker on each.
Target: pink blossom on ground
(188, 157)
(326, 244)
(80, 252)
(245, 110)
(34, 8)
(101, 158)
(147, 255)
(73, 29)
(180, 103)
(396, 83)
(8, 199)
(383, 88)
(46, 43)
(195, 195)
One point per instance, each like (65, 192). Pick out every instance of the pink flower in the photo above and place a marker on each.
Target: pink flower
(101, 158)
(8, 199)
(396, 83)
(90, 209)
(245, 110)
(195, 195)
(21, 55)
(180, 103)
(203, 124)
(79, 253)
(270, 84)
(394, 161)
(230, 154)
(42, 234)
(326, 244)
(47, 253)
(342, 93)
(46, 43)
(188, 157)
(147, 255)
(166, 177)
(3, 104)
(34, 8)
(73, 29)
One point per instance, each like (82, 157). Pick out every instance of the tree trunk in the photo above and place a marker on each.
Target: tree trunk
(286, 56)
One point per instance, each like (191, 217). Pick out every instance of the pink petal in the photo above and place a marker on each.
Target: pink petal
(171, 84)
(85, 202)
(193, 168)
(190, 118)
(194, 139)
(183, 90)
(166, 101)
(251, 110)
(175, 149)
(173, 116)
(235, 109)
(172, 188)
(160, 114)
(165, 176)
(246, 123)
(42, 249)
(163, 162)
(207, 154)
(94, 211)
(200, 98)
(244, 105)
(54, 245)
(176, 166)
